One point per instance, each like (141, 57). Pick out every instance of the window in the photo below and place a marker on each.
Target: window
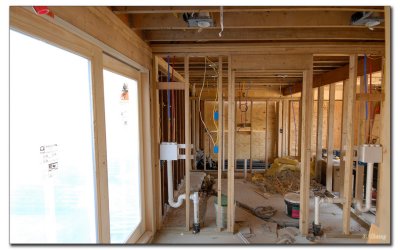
(123, 155)
(52, 176)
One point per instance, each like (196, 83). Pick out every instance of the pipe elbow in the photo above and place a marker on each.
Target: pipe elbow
(178, 203)
(362, 208)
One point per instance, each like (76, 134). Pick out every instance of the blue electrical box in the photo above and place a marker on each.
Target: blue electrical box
(216, 115)
(215, 149)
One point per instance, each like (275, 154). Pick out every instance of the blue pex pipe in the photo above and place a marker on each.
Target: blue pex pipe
(168, 95)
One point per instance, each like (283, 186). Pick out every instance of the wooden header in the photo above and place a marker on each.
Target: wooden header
(272, 62)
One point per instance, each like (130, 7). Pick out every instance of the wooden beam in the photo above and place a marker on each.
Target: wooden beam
(270, 62)
(366, 97)
(318, 154)
(334, 48)
(349, 138)
(171, 85)
(306, 117)
(330, 19)
(220, 139)
(331, 121)
(231, 148)
(287, 34)
(228, 9)
(163, 67)
(188, 162)
(337, 75)
(93, 20)
(383, 210)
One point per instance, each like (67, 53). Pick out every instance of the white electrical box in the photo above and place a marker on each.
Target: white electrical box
(168, 151)
(370, 153)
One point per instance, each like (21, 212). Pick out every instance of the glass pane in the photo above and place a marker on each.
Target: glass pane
(52, 178)
(123, 155)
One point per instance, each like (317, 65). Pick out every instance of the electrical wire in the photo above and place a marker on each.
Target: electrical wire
(201, 92)
(221, 17)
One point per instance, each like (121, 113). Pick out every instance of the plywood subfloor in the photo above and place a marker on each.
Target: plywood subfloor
(255, 230)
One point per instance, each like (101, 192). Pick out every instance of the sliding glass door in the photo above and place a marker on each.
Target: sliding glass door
(52, 168)
(123, 153)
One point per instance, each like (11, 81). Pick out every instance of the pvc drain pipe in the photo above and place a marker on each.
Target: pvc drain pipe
(194, 197)
(370, 174)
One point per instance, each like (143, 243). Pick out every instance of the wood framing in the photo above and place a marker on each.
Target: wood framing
(337, 48)
(220, 137)
(280, 129)
(359, 185)
(343, 142)
(266, 134)
(231, 147)
(336, 75)
(118, 35)
(270, 62)
(171, 85)
(163, 67)
(188, 161)
(329, 142)
(383, 218)
(251, 139)
(286, 130)
(306, 117)
(318, 154)
(349, 138)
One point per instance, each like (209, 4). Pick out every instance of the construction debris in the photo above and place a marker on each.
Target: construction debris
(282, 177)
(287, 235)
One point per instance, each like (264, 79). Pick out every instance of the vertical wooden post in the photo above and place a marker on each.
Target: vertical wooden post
(318, 151)
(231, 147)
(331, 120)
(101, 149)
(266, 134)
(193, 129)
(187, 142)
(300, 127)
(344, 134)
(220, 137)
(280, 129)
(349, 138)
(306, 116)
(383, 218)
(359, 190)
(251, 137)
(285, 121)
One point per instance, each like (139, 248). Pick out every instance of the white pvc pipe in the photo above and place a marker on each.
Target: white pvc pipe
(194, 197)
(245, 169)
(370, 174)
(316, 210)
(181, 197)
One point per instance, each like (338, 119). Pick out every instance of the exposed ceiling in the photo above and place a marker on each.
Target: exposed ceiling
(162, 25)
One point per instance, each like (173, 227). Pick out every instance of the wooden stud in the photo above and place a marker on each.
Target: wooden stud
(220, 136)
(331, 120)
(349, 138)
(231, 147)
(280, 129)
(171, 85)
(300, 128)
(383, 207)
(266, 134)
(343, 142)
(307, 103)
(318, 156)
(187, 143)
(359, 185)
(251, 137)
(285, 126)
(193, 123)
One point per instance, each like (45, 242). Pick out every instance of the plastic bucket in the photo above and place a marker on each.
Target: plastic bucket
(292, 208)
(221, 222)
